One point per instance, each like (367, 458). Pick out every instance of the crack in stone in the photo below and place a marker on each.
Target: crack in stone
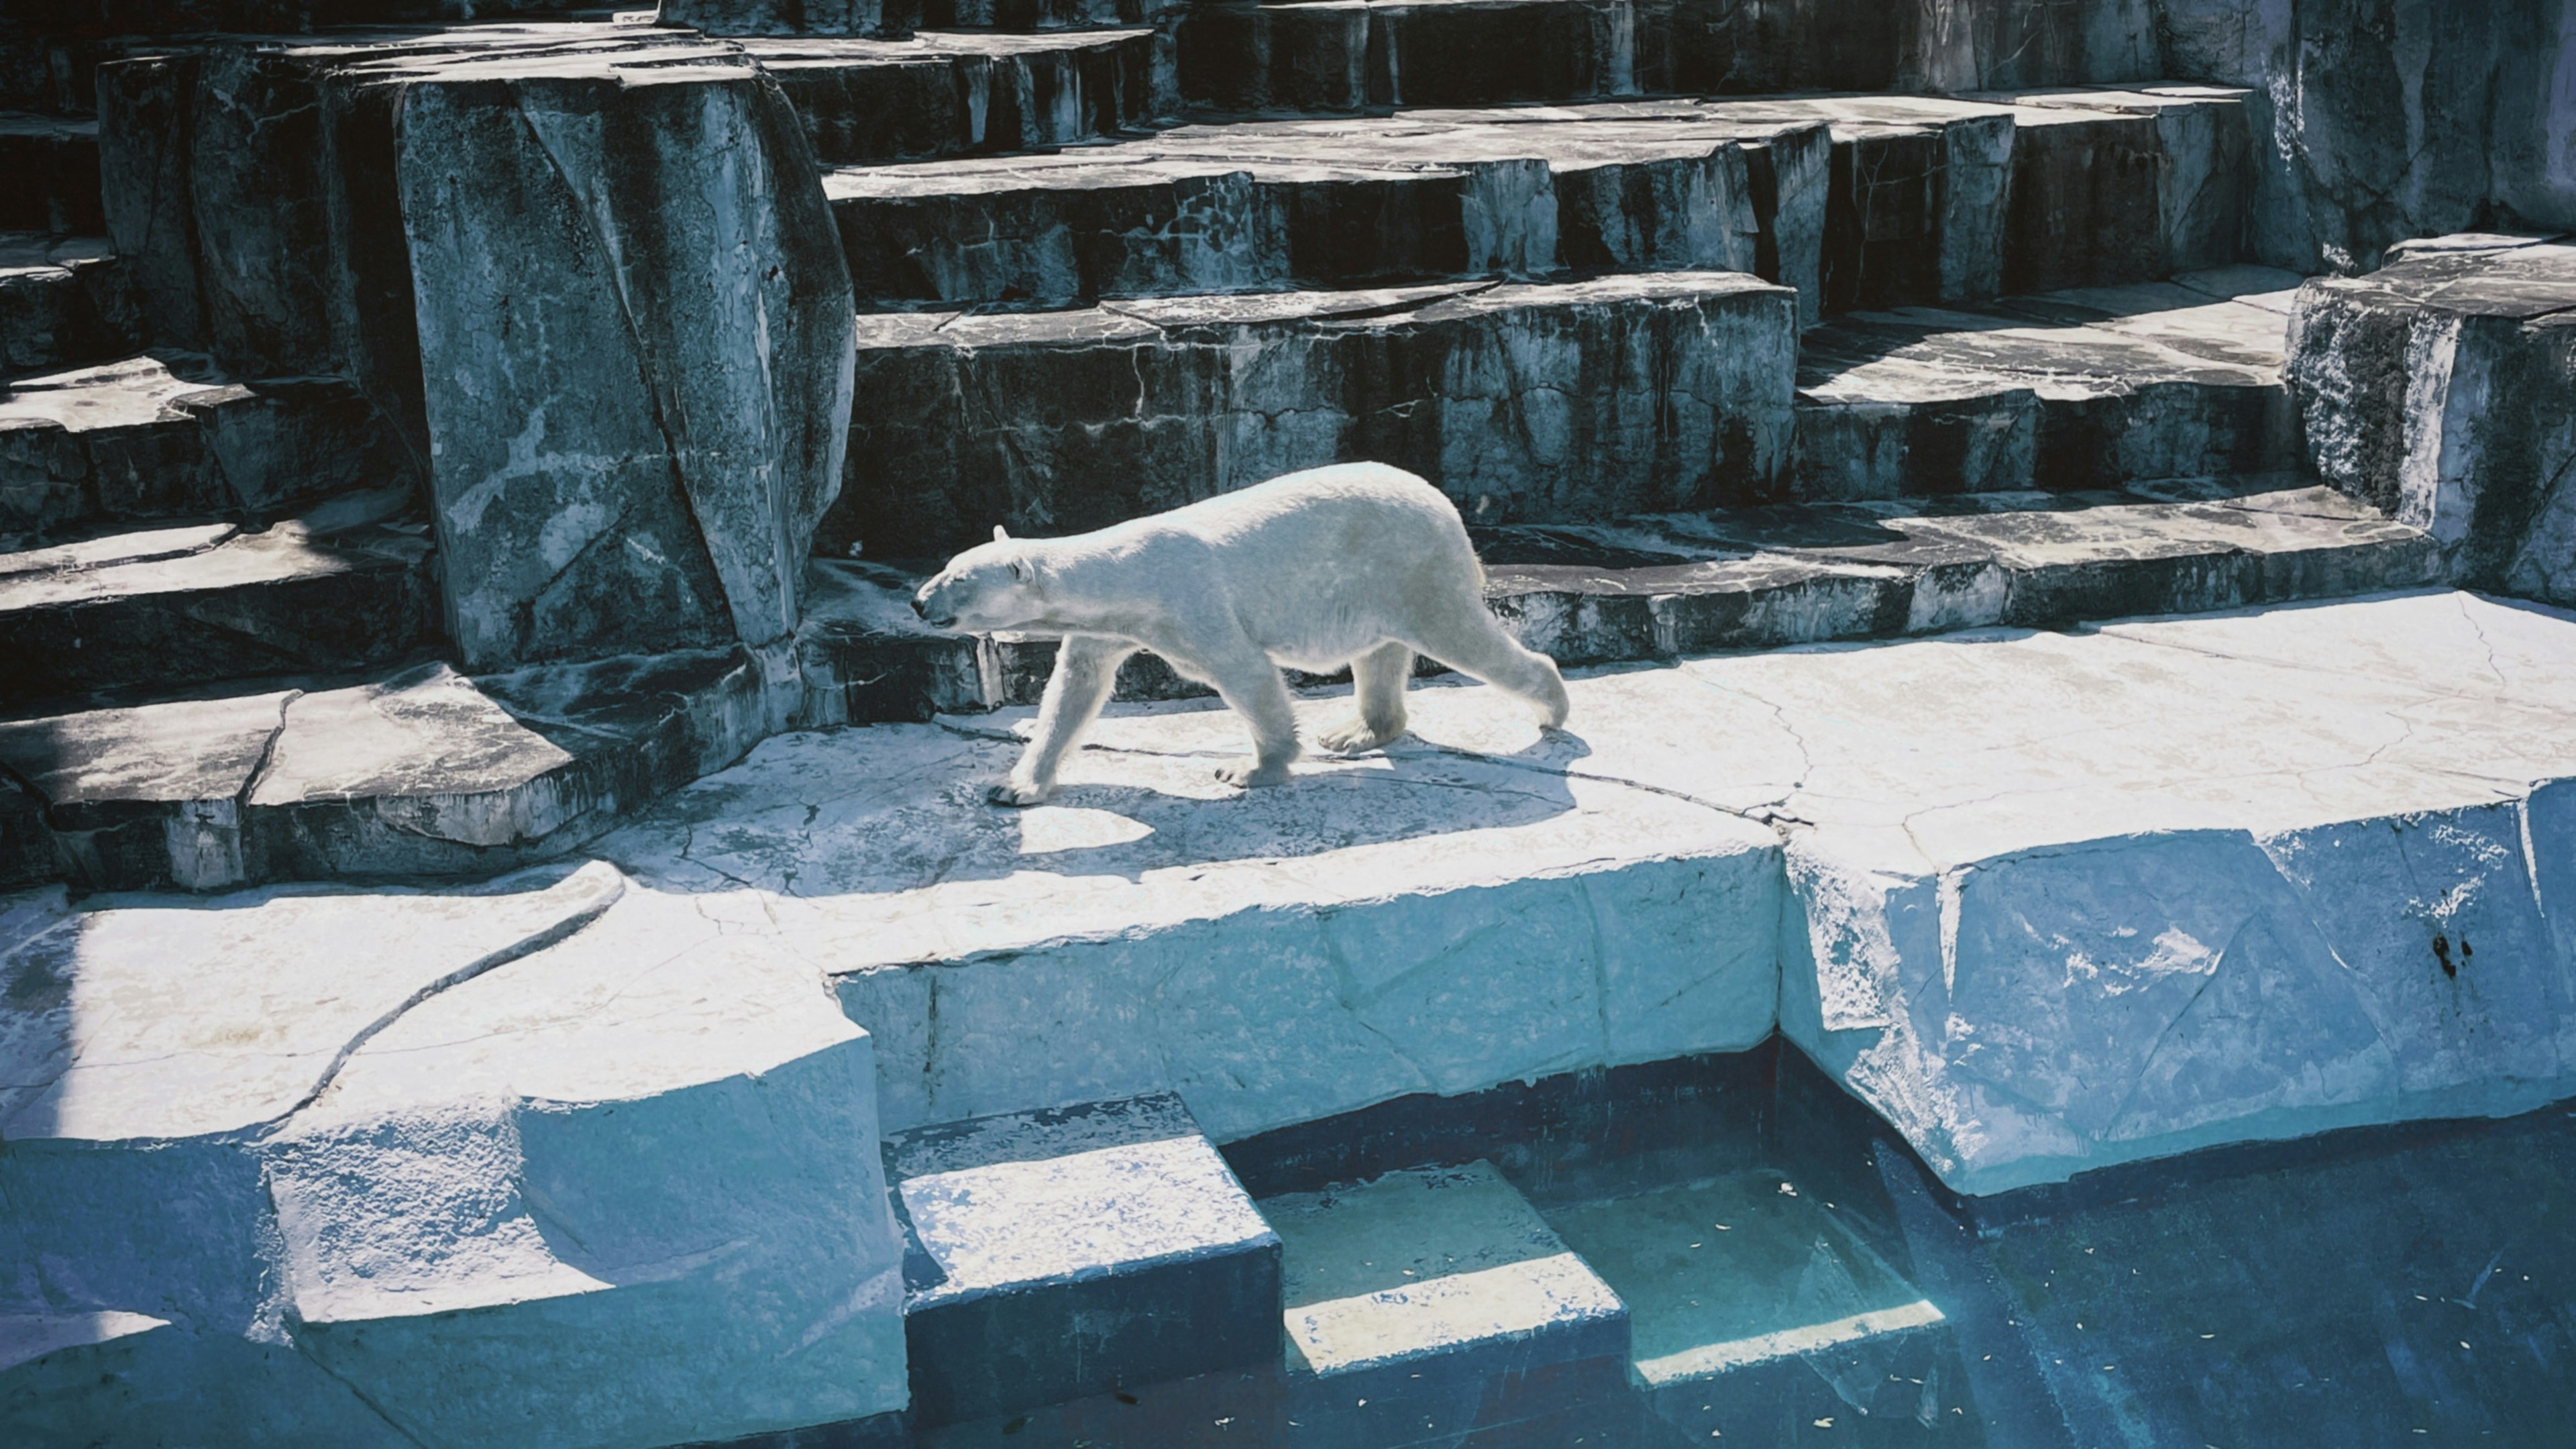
(553, 934)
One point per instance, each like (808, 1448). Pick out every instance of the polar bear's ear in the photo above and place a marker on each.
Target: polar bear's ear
(1000, 535)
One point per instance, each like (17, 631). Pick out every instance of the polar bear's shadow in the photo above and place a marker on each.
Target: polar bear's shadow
(1410, 790)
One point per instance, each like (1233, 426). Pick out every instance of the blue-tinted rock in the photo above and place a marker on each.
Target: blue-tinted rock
(636, 355)
(1054, 1254)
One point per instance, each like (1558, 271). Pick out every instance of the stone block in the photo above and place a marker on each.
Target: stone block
(64, 301)
(1582, 400)
(875, 101)
(392, 1195)
(633, 456)
(1421, 1283)
(2443, 389)
(1055, 1254)
(281, 602)
(1728, 1277)
(2085, 389)
(2029, 985)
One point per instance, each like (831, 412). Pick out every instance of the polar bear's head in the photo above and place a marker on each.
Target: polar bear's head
(990, 586)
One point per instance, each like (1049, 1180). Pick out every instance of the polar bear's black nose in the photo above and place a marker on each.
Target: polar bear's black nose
(918, 611)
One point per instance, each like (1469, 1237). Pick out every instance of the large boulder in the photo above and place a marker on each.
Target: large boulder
(2443, 389)
(635, 338)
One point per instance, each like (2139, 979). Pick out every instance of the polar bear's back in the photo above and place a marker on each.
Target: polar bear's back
(1348, 509)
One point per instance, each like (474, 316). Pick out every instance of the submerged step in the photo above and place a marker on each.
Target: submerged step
(165, 435)
(1416, 1300)
(1658, 586)
(953, 92)
(425, 772)
(64, 300)
(1054, 1254)
(1755, 1307)
(1582, 400)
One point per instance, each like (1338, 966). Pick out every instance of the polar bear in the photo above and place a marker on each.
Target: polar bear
(1359, 564)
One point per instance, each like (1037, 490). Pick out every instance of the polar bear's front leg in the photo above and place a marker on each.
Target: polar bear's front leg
(1377, 688)
(1086, 669)
(1251, 686)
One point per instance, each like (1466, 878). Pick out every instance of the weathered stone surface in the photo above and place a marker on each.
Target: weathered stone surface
(1747, 578)
(2443, 389)
(634, 454)
(952, 93)
(423, 773)
(2082, 212)
(1055, 1254)
(1271, 959)
(64, 300)
(775, 17)
(163, 435)
(1340, 55)
(297, 598)
(2051, 939)
(1445, 1274)
(2379, 121)
(538, 1160)
(1581, 400)
(2081, 389)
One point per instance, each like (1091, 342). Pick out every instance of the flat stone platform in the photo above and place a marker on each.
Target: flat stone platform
(2047, 901)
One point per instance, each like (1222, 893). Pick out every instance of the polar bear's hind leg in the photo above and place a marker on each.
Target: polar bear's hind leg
(1476, 646)
(1377, 688)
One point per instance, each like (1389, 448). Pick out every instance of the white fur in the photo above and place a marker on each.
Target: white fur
(1357, 564)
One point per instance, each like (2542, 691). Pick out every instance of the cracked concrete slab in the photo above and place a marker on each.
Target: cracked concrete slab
(1477, 903)
(501, 1163)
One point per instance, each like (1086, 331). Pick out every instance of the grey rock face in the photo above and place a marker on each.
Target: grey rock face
(422, 772)
(214, 604)
(1576, 401)
(634, 333)
(2089, 388)
(2443, 388)
(2378, 120)
(880, 100)
(64, 301)
(52, 166)
(163, 435)
(775, 17)
(1346, 55)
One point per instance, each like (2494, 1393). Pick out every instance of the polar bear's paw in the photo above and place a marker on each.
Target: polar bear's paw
(1245, 774)
(1018, 793)
(1354, 735)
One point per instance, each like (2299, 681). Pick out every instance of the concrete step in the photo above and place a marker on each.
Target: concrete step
(1582, 400)
(416, 772)
(2085, 388)
(1757, 1308)
(64, 300)
(1342, 55)
(346, 586)
(166, 435)
(1889, 851)
(52, 166)
(540, 1160)
(1659, 586)
(1052, 1255)
(1921, 199)
(952, 92)
(1417, 1301)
